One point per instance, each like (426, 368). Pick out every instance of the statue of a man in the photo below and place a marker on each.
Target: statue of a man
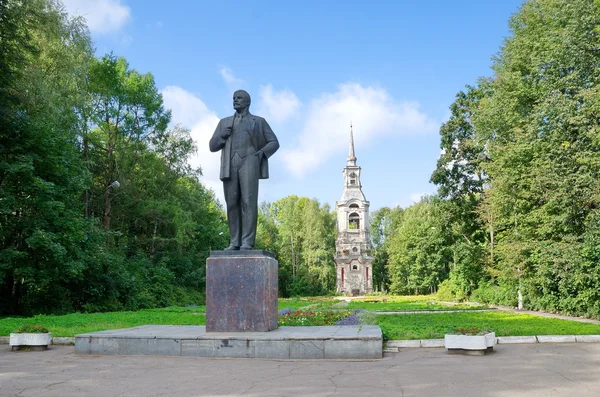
(246, 142)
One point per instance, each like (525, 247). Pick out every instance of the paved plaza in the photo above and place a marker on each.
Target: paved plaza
(567, 369)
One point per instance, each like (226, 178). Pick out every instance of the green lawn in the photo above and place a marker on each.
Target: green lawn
(375, 303)
(504, 323)
(79, 323)
(405, 326)
(404, 305)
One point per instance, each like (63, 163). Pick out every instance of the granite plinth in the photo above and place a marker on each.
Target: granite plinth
(333, 342)
(241, 291)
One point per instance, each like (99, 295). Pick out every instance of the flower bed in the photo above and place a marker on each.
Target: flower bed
(300, 317)
(476, 343)
(30, 337)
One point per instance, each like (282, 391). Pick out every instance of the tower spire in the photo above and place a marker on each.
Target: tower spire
(353, 260)
(351, 156)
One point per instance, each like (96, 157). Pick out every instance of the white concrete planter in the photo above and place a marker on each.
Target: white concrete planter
(33, 341)
(470, 344)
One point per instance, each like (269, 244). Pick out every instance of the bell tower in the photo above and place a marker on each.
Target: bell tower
(353, 260)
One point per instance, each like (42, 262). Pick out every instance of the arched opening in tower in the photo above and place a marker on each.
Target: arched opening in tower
(354, 221)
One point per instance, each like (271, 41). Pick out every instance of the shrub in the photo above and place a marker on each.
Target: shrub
(444, 292)
(470, 331)
(495, 294)
(32, 329)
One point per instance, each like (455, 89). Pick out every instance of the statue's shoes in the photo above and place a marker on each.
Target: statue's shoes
(232, 248)
(246, 247)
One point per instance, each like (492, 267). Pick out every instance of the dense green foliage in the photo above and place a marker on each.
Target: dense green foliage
(540, 125)
(42, 233)
(302, 235)
(71, 127)
(100, 211)
(419, 258)
(516, 219)
(383, 225)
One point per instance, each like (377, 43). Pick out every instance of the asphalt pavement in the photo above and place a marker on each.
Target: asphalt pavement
(560, 369)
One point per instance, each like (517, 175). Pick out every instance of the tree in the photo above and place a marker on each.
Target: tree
(43, 56)
(127, 117)
(383, 224)
(305, 246)
(459, 173)
(461, 179)
(267, 233)
(540, 125)
(419, 258)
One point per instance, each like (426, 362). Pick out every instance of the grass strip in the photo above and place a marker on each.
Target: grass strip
(79, 323)
(504, 323)
(408, 305)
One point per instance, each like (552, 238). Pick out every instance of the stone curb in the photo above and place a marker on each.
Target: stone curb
(394, 346)
(403, 343)
(504, 340)
(62, 340)
(57, 340)
(432, 343)
(587, 338)
(556, 339)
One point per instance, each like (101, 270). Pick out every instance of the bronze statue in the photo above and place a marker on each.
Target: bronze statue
(246, 142)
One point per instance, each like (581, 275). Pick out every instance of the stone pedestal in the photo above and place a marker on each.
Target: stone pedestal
(241, 291)
(339, 342)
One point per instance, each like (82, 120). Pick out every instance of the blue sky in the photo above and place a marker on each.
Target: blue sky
(391, 68)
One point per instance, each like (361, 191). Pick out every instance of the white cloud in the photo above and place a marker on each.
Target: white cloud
(102, 16)
(189, 110)
(233, 83)
(372, 111)
(323, 125)
(277, 106)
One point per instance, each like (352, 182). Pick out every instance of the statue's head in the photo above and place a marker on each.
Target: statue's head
(241, 100)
